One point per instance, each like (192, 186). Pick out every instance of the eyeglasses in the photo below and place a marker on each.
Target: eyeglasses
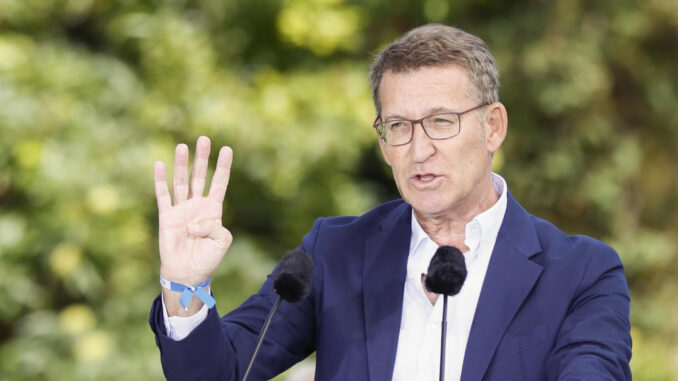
(437, 127)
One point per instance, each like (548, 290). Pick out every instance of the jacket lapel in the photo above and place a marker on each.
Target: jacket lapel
(384, 272)
(510, 277)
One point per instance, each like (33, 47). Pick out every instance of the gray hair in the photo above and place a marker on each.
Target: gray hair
(439, 45)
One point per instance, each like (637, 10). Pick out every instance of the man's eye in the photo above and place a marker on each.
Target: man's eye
(443, 121)
(396, 124)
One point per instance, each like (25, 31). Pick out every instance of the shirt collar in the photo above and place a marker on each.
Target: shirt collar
(484, 227)
(418, 234)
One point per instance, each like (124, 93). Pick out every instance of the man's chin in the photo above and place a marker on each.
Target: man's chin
(426, 208)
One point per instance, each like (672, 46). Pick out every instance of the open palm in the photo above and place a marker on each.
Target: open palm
(192, 239)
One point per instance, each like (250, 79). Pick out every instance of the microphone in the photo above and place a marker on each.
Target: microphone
(293, 280)
(446, 276)
(292, 283)
(446, 272)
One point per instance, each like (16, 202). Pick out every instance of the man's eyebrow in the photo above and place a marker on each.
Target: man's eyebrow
(393, 117)
(433, 111)
(439, 110)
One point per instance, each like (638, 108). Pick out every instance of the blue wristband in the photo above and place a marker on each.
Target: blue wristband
(187, 292)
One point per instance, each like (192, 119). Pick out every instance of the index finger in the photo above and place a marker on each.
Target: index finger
(222, 175)
(161, 191)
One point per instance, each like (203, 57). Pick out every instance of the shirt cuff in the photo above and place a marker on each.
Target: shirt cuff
(178, 327)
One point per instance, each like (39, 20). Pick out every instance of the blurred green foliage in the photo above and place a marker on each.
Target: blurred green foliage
(93, 91)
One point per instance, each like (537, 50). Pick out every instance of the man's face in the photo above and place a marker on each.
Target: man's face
(438, 177)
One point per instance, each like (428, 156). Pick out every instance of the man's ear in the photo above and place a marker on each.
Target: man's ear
(496, 126)
(384, 153)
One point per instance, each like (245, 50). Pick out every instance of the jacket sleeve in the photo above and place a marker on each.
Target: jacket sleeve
(594, 342)
(220, 348)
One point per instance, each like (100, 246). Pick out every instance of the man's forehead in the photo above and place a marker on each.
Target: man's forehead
(427, 90)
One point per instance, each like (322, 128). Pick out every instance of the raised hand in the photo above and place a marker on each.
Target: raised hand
(191, 238)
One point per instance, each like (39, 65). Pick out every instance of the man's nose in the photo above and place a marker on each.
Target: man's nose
(421, 146)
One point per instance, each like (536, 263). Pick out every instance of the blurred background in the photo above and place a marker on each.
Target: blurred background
(92, 92)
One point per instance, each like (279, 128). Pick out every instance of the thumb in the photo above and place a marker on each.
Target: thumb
(208, 229)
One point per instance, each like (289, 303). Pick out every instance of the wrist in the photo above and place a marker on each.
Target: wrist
(182, 278)
(187, 292)
(174, 307)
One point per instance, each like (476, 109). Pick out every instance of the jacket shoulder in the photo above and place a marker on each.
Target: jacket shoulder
(575, 254)
(556, 242)
(350, 229)
(374, 216)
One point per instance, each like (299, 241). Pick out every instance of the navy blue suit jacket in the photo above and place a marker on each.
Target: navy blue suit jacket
(552, 307)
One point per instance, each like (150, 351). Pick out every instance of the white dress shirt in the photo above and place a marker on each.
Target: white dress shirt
(418, 355)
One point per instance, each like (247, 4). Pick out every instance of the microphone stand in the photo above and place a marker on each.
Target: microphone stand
(450, 261)
(443, 339)
(267, 323)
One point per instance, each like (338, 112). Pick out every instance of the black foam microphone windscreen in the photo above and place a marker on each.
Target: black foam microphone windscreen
(293, 279)
(446, 272)
(292, 282)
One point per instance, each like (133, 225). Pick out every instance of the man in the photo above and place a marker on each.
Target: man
(536, 304)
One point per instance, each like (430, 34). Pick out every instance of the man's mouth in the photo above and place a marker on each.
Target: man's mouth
(425, 177)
